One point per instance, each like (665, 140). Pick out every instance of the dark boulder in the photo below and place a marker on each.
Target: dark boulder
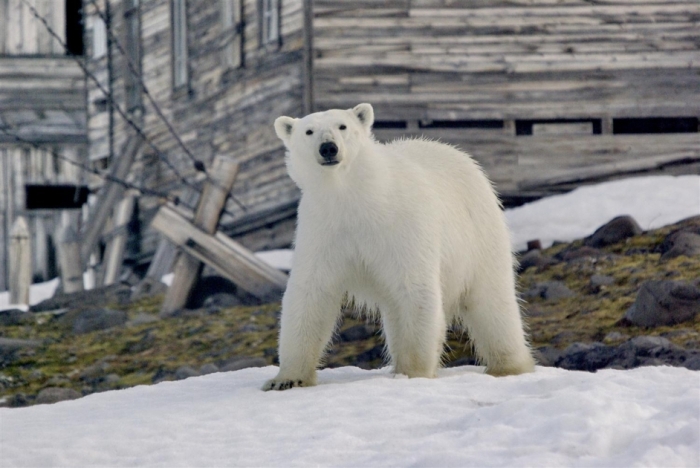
(663, 303)
(55, 394)
(549, 290)
(118, 293)
(614, 231)
(10, 317)
(680, 243)
(86, 321)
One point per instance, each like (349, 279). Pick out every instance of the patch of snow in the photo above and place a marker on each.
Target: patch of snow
(280, 259)
(37, 293)
(648, 416)
(167, 279)
(653, 201)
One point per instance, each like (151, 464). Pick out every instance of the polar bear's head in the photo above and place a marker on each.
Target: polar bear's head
(324, 141)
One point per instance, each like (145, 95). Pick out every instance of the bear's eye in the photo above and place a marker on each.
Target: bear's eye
(309, 132)
(343, 127)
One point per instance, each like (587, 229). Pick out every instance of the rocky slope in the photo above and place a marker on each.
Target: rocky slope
(621, 298)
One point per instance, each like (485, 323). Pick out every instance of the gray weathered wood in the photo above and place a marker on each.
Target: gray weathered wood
(114, 254)
(187, 268)
(223, 254)
(20, 262)
(69, 259)
(111, 193)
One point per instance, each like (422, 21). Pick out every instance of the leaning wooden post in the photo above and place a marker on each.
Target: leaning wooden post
(114, 254)
(211, 202)
(69, 259)
(20, 262)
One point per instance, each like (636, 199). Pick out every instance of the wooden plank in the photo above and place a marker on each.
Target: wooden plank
(187, 268)
(223, 254)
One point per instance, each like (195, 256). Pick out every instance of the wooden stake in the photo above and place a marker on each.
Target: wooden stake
(20, 262)
(211, 202)
(69, 259)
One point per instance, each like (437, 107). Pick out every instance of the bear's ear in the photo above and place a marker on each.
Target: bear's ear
(284, 127)
(365, 114)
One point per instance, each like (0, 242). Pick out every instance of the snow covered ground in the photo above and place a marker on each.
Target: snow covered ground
(643, 417)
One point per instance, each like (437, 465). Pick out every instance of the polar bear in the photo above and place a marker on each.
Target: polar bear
(411, 229)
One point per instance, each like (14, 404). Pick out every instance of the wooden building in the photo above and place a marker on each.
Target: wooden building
(42, 102)
(544, 93)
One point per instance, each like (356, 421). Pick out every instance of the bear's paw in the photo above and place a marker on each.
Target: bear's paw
(283, 384)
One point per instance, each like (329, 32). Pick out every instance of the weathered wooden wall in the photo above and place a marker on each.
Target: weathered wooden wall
(42, 102)
(471, 72)
(222, 111)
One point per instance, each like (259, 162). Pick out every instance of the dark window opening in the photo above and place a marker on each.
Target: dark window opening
(389, 124)
(631, 126)
(461, 124)
(74, 27)
(55, 197)
(524, 127)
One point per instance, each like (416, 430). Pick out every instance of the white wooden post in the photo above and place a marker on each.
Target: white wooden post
(69, 259)
(20, 262)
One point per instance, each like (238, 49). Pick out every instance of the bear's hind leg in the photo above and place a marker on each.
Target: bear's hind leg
(495, 327)
(415, 331)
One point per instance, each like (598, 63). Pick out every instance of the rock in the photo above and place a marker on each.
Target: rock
(534, 258)
(10, 345)
(693, 363)
(50, 395)
(11, 317)
(601, 280)
(208, 369)
(547, 356)
(219, 289)
(91, 299)
(356, 333)
(141, 319)
(681, 243)
(587, 357)
(57, 380)
(148, 287)
(549, 290)
(222, 301)
(614, 338)
(663, 303)
(614, 231)
(534, 244)
(185, 372)
(371, 354)
(92, 374)
(239, 363)
(86, 321)
(569, 255)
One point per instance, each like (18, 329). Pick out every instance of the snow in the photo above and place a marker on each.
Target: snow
(643, 417)
(37, 293)
(653, 201)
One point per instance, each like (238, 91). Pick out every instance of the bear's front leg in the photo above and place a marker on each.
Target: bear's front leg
(310, 309)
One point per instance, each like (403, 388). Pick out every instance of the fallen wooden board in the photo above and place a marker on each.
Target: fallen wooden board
(226, 256)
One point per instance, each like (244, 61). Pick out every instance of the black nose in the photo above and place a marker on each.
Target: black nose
(328, 150)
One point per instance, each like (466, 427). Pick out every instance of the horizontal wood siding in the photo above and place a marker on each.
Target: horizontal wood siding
(423, 61)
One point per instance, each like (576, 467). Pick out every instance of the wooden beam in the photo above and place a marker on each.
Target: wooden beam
(211, 202)
(112, 192)
(226, 256)
(114, 254)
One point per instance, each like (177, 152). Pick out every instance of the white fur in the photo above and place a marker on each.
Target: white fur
(412, 229)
